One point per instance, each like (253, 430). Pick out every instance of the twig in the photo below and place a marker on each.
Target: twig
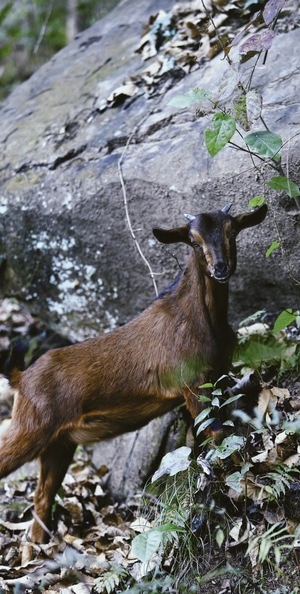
(43, 28)
(210, 17)
(120, 162)
(296, 198)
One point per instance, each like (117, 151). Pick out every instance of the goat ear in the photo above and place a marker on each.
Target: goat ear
(176, 235)
(250, 219)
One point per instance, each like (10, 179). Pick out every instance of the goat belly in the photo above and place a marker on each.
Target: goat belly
(122, 418)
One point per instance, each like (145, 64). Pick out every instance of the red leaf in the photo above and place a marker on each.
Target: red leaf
(271, 10)
(258, 42)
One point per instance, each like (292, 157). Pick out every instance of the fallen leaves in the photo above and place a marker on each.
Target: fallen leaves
(182, 40)
(89, 537)
(92, 547)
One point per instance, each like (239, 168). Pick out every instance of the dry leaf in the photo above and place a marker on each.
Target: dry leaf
(240, 533)
(140, 524)
(281, 394)
(272, 517)
(129, 89)
(293, 460)
(265, 399)
(17, 526)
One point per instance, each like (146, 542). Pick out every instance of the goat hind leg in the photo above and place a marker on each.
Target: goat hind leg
(54, 462)
(18, 446)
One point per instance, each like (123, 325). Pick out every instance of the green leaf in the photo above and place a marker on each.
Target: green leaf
(169, 527)
(202, 415)
(4, 11)
(190, 98)
(254, 353)
(234, 481)
(274, 245)
(277, 554)
(173, 462)
(227, 447)
(228, 424)
(145, 545)
(240, 110)
(264, 143)
(220, 537)
(205, 424)
(109, 581)
(217, 392)
(221, 131)
(231, 399)
(204, 399)
(256, 201)
(285, 318)
(280, 182)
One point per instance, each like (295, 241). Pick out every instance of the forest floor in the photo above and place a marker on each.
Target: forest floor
(205, 548)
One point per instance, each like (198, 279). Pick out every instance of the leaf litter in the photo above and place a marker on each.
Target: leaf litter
(181, 41)
(91, 548)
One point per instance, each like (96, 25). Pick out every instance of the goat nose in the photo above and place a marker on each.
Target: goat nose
(220, 270)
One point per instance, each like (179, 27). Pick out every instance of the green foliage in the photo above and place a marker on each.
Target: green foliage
(286, 318)
(110, 580)
(280, 182)
(256, 201)
(193, 97)
(146, 545)
(231, 444)
(260, 350)
(5, 11)
(221, 131)
(174, 462)
(279, 481)
(191, 493)
(274, 245)
(276, 539)
(242, 105)
(228, 467)
(264, 143)
(31, 32)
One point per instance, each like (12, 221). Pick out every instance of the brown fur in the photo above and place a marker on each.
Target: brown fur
(118, 382)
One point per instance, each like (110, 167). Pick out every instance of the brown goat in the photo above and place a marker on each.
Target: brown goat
(118, 382)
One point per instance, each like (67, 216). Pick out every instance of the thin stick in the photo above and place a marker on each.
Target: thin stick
(139, 249)
(296, 198)
(44, 28)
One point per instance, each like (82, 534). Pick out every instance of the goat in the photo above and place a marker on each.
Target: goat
(117, 382)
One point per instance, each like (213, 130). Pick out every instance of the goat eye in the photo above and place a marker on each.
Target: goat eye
(196, 246)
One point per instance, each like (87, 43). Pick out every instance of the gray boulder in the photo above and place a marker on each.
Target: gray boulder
(65, 246)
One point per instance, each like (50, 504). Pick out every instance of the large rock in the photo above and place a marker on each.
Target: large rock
(65, 247)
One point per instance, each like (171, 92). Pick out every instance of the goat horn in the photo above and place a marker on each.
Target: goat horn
(227, 208)
(189, 217)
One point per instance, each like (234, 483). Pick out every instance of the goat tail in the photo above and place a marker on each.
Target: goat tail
(16, 361)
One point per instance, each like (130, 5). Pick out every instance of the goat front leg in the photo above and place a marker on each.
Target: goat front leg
(194, 406)
(54, 462)
(191, 397)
